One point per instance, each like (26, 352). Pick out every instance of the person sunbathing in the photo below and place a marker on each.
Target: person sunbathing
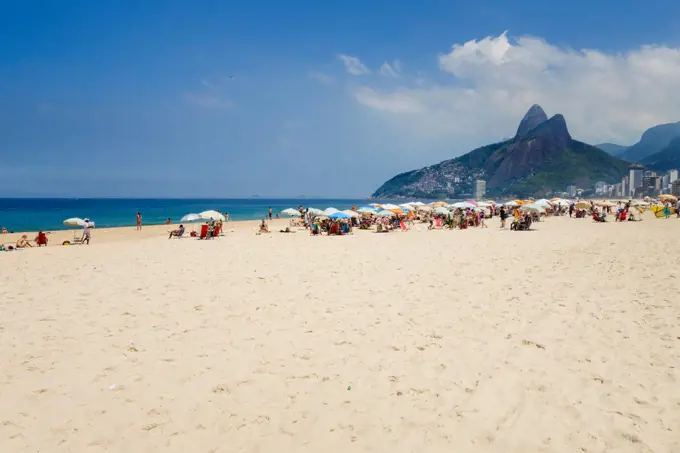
(177, 233)
(264, 228)
(23, 242)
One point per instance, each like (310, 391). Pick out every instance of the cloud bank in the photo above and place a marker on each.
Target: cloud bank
(485, 86)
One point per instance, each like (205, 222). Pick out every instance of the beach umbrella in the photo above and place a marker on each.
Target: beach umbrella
(386, 213)
(439, 203)
(417, 203)
(398, 211)
(291, 212)
(667, 197)
(582, 205)
(407, 206)
(338, 215)
(532, 207)
(424, 208)
(351, 213)
(389, 207)
(329, 211)
(315, 211)
(636, 203)
(441, 210)
(190, 218)
(472, 202)
(74, 222)
(211, 215)
(463, 205)
(511, 204)
(367, 210)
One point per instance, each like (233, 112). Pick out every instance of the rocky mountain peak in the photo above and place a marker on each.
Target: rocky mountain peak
(533, 118)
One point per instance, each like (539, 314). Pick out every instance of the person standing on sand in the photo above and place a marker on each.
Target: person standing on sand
(270, 213)
(677, 208)
(87, 231)
(139, 221)
(503, 216)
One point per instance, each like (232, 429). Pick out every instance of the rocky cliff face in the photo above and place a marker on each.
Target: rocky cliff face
(541, 157)
(533, 118)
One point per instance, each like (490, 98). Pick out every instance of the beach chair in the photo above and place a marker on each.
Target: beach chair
(204, 232)
(216, 232)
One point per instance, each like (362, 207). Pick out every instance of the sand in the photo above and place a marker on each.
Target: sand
(564, 339)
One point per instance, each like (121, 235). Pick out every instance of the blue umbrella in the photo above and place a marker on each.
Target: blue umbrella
(338, 215)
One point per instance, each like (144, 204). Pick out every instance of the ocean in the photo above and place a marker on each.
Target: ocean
(48, 214)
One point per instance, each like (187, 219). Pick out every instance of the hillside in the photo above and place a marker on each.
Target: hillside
(666, 159)
(653, 140)
(541, 157)
(612, 148)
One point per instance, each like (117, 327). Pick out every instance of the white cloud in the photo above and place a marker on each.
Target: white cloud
(493, 81)
(391, 70)
(353, 65)
(320, 77)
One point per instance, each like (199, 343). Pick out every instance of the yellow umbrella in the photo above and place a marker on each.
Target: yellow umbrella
(667, 196)
(397, 211)
(440, 203)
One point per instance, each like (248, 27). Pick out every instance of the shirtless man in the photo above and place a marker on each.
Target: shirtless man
(23, 242)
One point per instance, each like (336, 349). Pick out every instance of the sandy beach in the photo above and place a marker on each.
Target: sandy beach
(562, 339)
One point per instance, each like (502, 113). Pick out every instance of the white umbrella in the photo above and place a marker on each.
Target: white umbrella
(511, 204)
(329, 211)
(386, 214)
(389, 206)
(74, 222)
(463, 205)
(317, 212)
(291, 212)
(417, 203)
(351, 213)
(424, 208)
(366, 210)
(533, 207)
(190, 218)
(441, 210)
(211, 215)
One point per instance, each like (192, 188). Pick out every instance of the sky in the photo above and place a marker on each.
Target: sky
(282, 99)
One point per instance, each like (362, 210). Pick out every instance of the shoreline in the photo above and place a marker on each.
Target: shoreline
(127, 233)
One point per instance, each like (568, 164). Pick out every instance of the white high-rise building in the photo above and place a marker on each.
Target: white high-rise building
(480, 189)
(635, 173)
(673, 174)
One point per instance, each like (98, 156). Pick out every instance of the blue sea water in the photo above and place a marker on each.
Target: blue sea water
(48, 214)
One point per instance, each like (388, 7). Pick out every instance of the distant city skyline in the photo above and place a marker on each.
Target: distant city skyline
(130, 99)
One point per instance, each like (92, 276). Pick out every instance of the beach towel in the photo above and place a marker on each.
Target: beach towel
(438, 223)
(403, 225)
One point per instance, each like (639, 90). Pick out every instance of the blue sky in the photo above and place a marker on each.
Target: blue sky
(327, 98)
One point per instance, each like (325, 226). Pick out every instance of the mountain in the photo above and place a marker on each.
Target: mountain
(533, 118)
(666, 159)
(612, 148)
(652, 141)
(541, 157)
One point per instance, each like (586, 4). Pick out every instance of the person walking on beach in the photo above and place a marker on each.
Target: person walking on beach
(87, 231)
(503, 216)
(139, 221)
(270, 213)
